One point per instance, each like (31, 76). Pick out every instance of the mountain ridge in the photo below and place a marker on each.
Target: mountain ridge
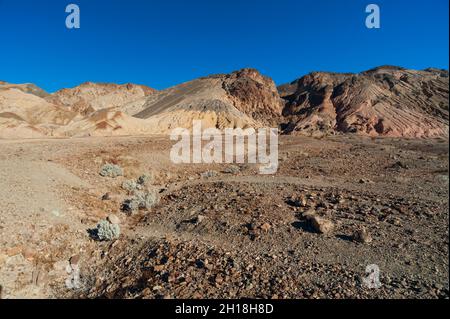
(382, 101)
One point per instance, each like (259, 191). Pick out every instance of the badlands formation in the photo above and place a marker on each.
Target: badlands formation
(385, 101)
(117, 218)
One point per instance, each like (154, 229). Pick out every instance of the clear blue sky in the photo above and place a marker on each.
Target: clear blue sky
(164, 43)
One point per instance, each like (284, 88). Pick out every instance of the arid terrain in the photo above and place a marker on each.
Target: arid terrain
(230, 234)
(93, 206)
(385, 101)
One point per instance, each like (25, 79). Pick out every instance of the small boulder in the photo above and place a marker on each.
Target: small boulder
(232, 169)
(74, 260)
(107, 196)
(113, 219)
(144, 179)
(362, 236)
(199, 219)
(308, 214)
(321, 225)
(266, 227)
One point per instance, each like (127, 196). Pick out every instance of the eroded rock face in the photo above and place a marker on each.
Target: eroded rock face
(254, 94)
(385, 101)
(241, 99)
(90, 97)
(24, 112)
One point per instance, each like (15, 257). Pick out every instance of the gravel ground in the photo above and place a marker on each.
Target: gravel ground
(336, 206)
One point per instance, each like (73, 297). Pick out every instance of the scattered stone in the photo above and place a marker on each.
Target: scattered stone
(266, 227)
(232, 169)
(199, 219)
(362, 236)
(56, 213)
(399, 165)
(309, 214)
(302, 201)
(107, 196)
(144, 179)
(111, 170)
(74, 260)
(158, 268)
(113, 219)
(28, 253)
(321, 225)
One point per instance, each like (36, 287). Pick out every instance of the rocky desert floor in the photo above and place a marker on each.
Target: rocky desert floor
(224, 231)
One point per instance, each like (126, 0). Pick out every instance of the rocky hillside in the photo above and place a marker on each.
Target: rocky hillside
(90, 97)
(26, 88)
(385, 101)
(241, 99)
(24, 112)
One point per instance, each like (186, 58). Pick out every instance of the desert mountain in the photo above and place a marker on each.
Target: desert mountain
(24, 112)
(26, 88)
(90, 97)
(240, 99)
(385, 101)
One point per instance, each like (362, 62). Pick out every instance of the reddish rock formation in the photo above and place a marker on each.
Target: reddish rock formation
(385, 101)
(254, 94)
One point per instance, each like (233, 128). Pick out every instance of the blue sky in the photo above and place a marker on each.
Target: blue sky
(164, 43)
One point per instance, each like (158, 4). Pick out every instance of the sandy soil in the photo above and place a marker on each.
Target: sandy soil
(235, 234)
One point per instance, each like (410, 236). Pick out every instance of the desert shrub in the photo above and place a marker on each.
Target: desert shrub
(111, 170)
(141, 200)
(209, 174)
(130, 186)
(107, 231)
(232, 169)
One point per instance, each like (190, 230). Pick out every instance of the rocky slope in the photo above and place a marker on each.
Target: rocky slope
(241, 99)
(90, 97)
(24, 113)
(385, 101)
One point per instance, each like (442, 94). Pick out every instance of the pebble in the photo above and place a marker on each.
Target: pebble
(113, 219)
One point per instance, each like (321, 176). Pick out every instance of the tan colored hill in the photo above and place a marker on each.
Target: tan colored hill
(90, 97)
(26, 88)
(240, 99)
(385, 101)
(25, 114)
